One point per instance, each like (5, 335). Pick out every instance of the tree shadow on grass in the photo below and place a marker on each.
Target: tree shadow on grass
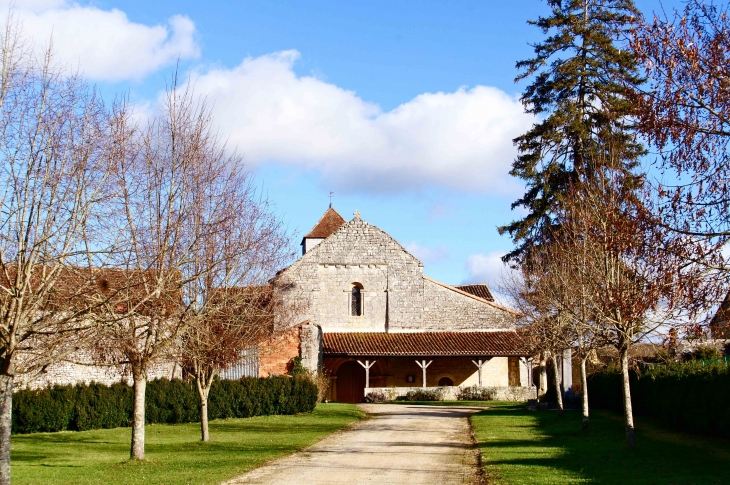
(551, 449)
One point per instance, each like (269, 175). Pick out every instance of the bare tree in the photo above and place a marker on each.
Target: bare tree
(684, 110)
(230, 305)
(637, 278)
(171, 179)
(236, 320)
(55, 145)
(537, 297)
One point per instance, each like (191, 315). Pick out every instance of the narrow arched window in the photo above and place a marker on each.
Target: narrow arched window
(356, 302)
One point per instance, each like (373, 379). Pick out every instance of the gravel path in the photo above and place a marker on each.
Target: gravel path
(398, 444)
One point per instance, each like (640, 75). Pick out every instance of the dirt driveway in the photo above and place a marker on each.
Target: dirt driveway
(399, 444)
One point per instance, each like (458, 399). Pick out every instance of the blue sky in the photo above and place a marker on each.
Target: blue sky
(404, 109)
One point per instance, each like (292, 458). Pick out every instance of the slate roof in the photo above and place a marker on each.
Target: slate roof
(329, 223)
(427, 344)
(480, 290)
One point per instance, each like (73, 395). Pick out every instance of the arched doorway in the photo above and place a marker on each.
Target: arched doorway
(350, 382)
(445, 381)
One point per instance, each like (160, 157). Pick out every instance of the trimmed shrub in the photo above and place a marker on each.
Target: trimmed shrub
(375, 397)
(99, 406)
(476, 393)
(50, 409)
(688, 396)
(422, 395)
(706, 352)
(93, 406)
(171, 401)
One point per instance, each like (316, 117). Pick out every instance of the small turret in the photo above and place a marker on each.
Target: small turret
(328, 223)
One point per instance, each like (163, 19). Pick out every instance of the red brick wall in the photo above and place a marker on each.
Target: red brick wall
(276, 354)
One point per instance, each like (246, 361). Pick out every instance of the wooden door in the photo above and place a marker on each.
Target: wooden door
(350, 382)
(513, 367)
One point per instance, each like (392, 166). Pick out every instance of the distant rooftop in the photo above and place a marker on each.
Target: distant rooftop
(480, 290)
(329, 223)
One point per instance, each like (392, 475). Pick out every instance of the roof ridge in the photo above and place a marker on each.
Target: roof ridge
(462, 292)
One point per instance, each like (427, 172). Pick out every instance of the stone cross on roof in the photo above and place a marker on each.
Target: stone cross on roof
(357, 214)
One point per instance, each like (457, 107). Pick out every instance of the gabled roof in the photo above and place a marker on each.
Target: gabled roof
(328, 223)
(480, 290)
(377, 344)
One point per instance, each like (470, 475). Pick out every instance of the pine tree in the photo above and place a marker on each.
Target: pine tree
(579, 93)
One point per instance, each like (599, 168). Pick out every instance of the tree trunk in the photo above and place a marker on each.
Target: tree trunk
(584, 385)
(6, 417)
(542, 389)
(140, 385)
(203, 392)
(628, 412)
(558, 387)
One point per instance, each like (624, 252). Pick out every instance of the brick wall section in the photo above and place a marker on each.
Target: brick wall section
(275, 355)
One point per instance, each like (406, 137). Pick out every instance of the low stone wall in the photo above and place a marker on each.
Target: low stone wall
(688, 346)
(449, 393)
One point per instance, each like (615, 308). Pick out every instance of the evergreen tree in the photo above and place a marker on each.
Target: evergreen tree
(579, 90)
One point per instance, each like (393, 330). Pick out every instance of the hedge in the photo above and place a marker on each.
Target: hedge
(93, 406)
(688, 396)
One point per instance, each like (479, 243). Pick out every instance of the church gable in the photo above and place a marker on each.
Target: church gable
(358, 242)
(359, 258)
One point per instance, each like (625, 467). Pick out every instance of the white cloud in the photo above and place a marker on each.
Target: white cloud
(426, 254)
(486, 268)
(105, 44)
(461, 140)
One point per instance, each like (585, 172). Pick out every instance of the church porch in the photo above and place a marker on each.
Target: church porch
(356, 361)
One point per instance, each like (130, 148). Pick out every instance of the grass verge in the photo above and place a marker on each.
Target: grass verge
(175, 454)
(539, 447)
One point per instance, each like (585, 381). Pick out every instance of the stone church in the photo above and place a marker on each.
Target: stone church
(372, 319)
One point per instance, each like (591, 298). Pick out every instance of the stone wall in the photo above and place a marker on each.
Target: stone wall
(450, 393)
(76, 372)
(311, 347)
(685, 347)
(446, 309)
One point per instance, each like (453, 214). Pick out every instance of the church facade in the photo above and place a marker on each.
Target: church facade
(372, 319)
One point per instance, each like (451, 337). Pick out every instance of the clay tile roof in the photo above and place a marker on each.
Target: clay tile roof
(480, 290)
(435, 344)
(329, 223)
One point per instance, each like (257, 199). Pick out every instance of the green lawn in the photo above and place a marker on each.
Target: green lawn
(174, 453)
(539, 447)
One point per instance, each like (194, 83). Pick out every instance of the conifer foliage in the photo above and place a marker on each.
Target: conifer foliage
(579, 94)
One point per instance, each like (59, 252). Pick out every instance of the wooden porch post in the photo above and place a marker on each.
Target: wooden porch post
(480, 363)
(367, 365)
(423, 365)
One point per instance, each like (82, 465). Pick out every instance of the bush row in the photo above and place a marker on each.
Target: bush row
(476, 393)
(93, 406)
(422, 395)
(687, 396)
